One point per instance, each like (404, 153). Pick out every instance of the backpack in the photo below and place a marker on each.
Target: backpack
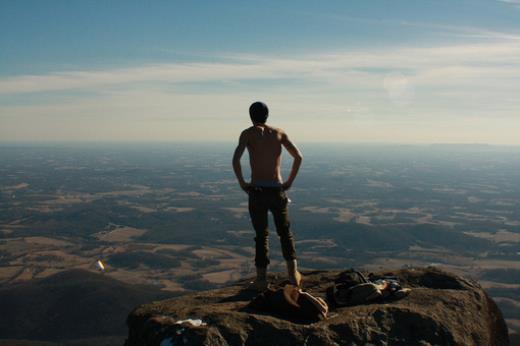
(352, 288)
(349, 278)
(357, 294)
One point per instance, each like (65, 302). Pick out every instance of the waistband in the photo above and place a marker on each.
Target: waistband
(267, 184)
(265, 188)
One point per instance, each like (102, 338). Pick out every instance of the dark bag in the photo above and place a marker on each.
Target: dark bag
(352, 288)
(350, 278)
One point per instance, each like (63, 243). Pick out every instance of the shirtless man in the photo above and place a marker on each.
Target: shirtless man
(267, 190)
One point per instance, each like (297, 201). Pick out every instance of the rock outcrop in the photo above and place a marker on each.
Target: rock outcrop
(442, 309)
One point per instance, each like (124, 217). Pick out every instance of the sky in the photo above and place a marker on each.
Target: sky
(414, 71)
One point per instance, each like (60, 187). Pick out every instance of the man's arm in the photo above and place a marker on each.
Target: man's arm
(237, 168)
(297, 160)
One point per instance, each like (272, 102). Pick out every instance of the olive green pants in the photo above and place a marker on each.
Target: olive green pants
(261, 201)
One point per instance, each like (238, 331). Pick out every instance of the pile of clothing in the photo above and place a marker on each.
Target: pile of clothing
(352, 288)
(349, 289)
(292, 303)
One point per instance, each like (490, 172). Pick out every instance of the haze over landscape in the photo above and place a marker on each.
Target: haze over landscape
(118, 121)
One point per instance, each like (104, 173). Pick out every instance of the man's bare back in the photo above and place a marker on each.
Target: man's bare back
(264, 144)
(265, 153)
(267, 190)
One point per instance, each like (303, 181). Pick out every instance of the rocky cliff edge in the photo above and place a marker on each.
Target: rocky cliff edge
(442, 309)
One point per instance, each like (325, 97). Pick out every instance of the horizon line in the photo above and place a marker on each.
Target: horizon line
(147, 142)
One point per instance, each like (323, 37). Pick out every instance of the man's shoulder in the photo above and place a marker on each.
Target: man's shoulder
(276, 130)
(281, 134)
(247, 131)
(252, 132)
(253, 129)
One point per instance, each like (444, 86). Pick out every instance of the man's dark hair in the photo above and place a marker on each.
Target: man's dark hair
(259, 112)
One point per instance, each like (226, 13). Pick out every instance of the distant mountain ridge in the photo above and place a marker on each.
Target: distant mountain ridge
(73, 304)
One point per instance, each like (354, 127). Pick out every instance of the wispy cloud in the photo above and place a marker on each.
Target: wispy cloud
(438, 86)
(447, 29)
(515, 3)
(359, 68)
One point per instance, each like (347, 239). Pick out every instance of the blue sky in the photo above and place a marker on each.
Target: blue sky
(353, 71)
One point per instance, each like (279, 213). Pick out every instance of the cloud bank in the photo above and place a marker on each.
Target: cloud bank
(361, 95)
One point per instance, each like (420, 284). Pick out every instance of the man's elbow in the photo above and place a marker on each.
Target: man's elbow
(298, 158)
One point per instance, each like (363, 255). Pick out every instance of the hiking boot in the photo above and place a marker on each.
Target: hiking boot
(294, 275)
(260, 283)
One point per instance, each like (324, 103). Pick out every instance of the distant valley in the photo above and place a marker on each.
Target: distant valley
(171, 216)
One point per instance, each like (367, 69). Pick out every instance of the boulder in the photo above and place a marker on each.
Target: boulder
(441, 309)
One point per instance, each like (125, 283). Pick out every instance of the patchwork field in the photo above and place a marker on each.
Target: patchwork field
(173, 215)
